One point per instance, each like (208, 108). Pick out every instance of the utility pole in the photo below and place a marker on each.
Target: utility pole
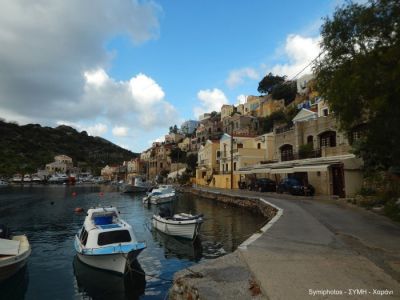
(231, 155)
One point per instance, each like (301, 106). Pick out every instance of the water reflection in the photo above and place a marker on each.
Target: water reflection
(178, 247)
(98, 284)
(15, 287)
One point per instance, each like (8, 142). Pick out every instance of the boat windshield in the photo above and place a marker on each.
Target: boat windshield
(113, 237)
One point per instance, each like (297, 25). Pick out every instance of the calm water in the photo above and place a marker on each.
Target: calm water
(45, 214)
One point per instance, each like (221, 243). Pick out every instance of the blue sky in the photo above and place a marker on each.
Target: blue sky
(128, 70)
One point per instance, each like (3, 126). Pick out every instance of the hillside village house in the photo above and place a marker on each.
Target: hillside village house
(109, 172)
(135, 167)
(61, 164)
(159, 159)
(174, 138)
(241, 125)
(184, 145)
(314, 151)
(210, 128)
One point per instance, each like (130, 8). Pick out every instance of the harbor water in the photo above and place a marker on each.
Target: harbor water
(46, 215)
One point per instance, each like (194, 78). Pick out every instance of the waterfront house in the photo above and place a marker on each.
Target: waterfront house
(61, 164)
(207, 162)
(315, 151)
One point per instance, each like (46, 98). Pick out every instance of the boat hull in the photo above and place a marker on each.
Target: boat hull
(161, 200)
(10, 265)
(112, 262)
(116, 263)
(184, 229)
(129, 188)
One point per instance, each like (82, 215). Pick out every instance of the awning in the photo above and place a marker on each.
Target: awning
(316, 168)
(282, 171)
(254, 171)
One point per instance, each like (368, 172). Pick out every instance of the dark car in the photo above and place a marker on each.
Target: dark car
(295, 187)
(263, 185)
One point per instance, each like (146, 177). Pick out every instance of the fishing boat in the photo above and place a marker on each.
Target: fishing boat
(137, 185)
(14, 253)
(162, 194)
(181, 225)
(107, 242)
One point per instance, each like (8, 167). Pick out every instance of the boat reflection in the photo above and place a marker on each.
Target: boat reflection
(15, 287)
(99, 284)
(179, 247)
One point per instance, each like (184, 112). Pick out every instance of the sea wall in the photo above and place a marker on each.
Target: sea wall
(227, 277)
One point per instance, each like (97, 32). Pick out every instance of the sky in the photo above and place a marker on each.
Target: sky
(127, 70)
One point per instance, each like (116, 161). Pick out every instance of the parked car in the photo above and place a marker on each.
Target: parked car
(295, 187)
(263, 185)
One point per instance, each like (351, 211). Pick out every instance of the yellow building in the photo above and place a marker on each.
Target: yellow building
(314, 151)
(207, 163)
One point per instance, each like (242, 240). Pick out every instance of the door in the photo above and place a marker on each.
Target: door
(338, 180)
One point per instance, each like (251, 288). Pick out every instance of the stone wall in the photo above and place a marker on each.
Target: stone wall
(226, 277)
(250, 203)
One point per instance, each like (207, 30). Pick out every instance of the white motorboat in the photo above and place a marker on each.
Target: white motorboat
(58, 178)
(27, 178)
(36, 178)
(3, 182)
(106, 241)
(137, 184)
(17, 178)
(14, 253)
(162, 194)
(180, 225)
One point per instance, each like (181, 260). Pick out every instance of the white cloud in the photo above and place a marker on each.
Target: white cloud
(241, 99)
(237, 77)
(145, 89)
(54, 64)
(160, 139)
(120, 131)
(299, 51)
(93, 130)
(210, 100)
(96, 78)
(96, 130)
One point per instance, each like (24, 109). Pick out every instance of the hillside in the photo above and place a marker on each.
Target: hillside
(29, 147)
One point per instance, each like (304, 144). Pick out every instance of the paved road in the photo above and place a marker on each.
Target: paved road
(320, 245)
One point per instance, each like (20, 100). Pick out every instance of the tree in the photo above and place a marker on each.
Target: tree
(286, 90)
(359, 75)
(173, 129)
(268, 82)
(191, 161)
(177, 155)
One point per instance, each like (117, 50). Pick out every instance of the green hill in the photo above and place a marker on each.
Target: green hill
(26, 148)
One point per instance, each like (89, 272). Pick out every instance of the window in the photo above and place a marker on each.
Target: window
(234, 166)
(325, 112)
(84, 236)
(258, 145)
(240, 145)
(161, 165)
(287, 153)
(328, 139)
(113, 237)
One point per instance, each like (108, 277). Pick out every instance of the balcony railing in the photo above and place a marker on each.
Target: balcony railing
(301, 155)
